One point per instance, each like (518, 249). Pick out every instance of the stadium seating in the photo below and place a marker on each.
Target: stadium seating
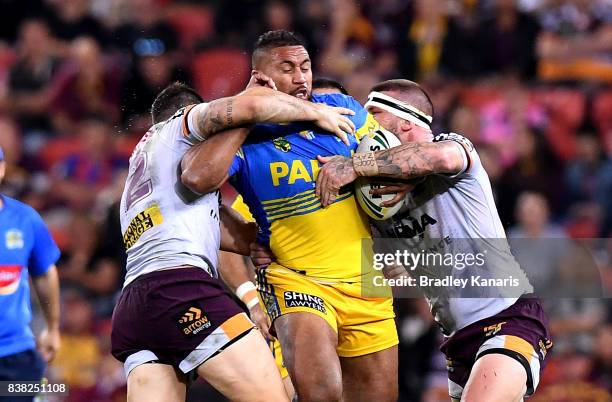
(220, 72)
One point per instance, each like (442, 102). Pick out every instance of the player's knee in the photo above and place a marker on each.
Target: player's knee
(138, 379)
(325, 391)
(487, 381)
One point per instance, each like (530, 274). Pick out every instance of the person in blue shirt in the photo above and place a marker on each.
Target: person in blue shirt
(26, 249)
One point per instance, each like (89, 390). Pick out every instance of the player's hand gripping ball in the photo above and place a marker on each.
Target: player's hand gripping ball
(372, 204)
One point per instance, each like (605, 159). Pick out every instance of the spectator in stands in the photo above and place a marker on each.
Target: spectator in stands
(85, 267)
(72, 19)
(349, 41)
(466, 121)
(508, 41)
(278, 14)
(86, 84)
(462, 47)
(427, 32)
(81, 175)
(581, 172)
(31, 74)
(143, 30)
(15, 177)
(603, 193)
(154, 69)
(538, 245)
(77, 359)
(536, 169)
(576, 41)
(15, 12)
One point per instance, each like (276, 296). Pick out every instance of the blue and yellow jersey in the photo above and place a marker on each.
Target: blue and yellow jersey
(275, 172)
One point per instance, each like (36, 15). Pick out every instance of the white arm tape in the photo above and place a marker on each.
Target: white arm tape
(254, 302)
(194, 133)
(465, 159)
(244, 289)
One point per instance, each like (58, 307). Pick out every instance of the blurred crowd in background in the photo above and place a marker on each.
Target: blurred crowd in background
(528, 81)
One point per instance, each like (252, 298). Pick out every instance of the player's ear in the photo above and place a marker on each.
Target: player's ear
(406, 125)
(253, 72)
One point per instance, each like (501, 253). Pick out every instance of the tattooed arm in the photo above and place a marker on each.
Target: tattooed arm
(406, 161)
(204, 167)
(262, 105)
(412, 160)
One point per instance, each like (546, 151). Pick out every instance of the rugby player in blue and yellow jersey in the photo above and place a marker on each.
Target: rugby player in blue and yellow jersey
(337, 345)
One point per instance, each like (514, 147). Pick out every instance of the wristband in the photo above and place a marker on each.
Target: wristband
(247, 293)
(365, 164)
(254, 302)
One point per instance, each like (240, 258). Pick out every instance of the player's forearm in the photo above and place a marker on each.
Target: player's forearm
(47, 289)
(256, 105)
(204, 167)
(236, 233)
(239, 278)
(278, 107)
(409, 161)
(234, 270)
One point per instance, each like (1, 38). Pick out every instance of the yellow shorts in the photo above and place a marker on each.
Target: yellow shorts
(363, 325)
(275, 347)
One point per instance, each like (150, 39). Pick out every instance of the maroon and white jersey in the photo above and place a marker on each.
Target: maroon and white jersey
(455, 215)
(164, 224)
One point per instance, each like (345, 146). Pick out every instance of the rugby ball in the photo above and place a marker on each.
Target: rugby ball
(375, 141)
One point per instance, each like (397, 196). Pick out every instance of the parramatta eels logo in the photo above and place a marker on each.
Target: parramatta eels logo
(281, 144)
(193, 321)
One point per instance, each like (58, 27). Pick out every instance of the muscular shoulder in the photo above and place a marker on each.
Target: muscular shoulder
(473, 163)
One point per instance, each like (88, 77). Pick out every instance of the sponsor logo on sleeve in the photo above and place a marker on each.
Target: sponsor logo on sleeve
(295, 299)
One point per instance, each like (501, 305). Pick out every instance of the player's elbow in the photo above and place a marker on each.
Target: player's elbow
(449, 160)
(203, 180)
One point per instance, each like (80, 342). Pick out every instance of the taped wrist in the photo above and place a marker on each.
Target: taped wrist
(247, 293)
(365, 164)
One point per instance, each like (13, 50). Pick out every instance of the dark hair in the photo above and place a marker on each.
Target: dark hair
(320, 83)
(171, 99)
(273, 39)
(412, 93)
